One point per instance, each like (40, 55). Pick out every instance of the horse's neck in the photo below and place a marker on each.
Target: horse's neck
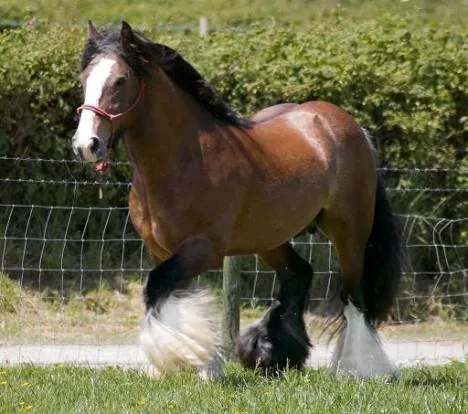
(166, 134)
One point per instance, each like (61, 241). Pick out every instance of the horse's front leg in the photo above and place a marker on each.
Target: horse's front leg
(181, 327)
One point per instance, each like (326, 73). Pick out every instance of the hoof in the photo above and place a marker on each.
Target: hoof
(212, 370)
(277, 342)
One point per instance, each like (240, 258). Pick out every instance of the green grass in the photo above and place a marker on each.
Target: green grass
(10, 293)
(65, 389)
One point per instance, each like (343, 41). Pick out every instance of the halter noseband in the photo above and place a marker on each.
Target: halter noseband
(112, 117)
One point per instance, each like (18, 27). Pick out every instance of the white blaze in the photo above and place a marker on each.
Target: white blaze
(94, 88)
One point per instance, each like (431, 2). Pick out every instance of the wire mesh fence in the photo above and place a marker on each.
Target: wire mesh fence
(70, 258)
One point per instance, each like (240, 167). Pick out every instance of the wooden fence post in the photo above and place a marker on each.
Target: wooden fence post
(203, 26)
(231, 305)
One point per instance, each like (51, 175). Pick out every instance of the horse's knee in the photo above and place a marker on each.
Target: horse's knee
(162, 280)
(195, 255)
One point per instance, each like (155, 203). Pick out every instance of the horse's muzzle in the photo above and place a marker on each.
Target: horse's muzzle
(89, 149)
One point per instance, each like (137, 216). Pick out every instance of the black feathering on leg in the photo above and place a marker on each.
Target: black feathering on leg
(162, 280)
(277, 342)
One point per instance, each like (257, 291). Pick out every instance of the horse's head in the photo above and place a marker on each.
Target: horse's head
(112, 76)
(115, 67)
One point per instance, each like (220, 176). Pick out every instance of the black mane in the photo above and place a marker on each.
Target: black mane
(175, 66)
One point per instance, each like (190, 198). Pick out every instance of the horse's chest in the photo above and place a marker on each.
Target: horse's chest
(154, 226)
(162, 226)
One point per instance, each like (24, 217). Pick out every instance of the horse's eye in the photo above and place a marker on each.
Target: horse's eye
(119, 81)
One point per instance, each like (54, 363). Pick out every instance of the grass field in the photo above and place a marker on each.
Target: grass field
(65, 389)
(183, 15)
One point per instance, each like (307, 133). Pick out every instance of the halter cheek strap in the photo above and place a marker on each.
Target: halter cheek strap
(112, 117)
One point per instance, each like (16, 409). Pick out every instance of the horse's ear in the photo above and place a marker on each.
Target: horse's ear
(93, 34)
(126, 34)
(131, 41)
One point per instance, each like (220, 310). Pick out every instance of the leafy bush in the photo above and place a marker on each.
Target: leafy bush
(406, 83)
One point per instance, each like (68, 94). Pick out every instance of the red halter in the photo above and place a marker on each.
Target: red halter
(111, 117)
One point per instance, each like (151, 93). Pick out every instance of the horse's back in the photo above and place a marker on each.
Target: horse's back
(315, 131)
(334, 134)
(326, 143)
(293, 140)
(318, 120)
(354, 152)
(340, 122)
(295, 154)
(274, 111)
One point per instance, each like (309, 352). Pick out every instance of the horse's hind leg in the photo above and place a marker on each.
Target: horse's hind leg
(358, 352)
(279, 339)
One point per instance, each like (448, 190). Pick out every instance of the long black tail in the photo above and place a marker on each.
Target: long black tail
(383, 260)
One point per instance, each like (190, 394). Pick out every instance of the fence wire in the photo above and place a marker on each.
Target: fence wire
(65, 234)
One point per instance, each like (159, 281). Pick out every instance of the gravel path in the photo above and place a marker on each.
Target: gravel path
(403, 353)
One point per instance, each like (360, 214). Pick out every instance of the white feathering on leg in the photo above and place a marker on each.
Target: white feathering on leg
(186, 331)
(359, 352)
(213, 369)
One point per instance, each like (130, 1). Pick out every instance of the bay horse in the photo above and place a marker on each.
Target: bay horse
(209, 183)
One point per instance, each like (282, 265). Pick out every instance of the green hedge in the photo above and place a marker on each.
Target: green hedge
(405, 80)
(407, 83)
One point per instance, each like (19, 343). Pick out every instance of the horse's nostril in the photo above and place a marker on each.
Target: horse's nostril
(94, 144)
